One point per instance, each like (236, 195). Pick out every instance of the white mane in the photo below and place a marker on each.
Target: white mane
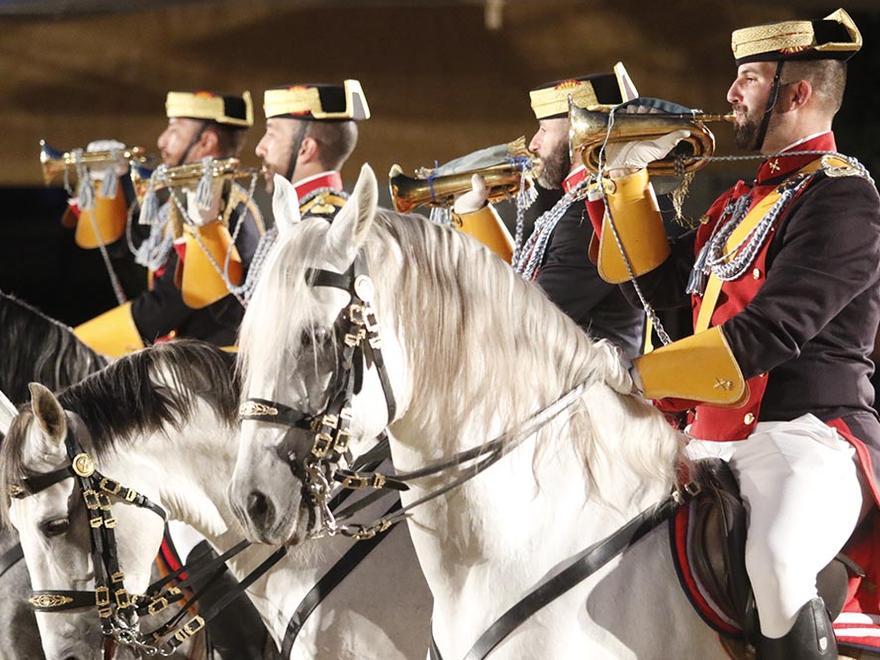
(485, 344)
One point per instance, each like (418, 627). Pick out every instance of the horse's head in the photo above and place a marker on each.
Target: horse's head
(315, 378)
(43, 457)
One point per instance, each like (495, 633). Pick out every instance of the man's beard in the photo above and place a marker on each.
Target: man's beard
(554, 168)
(746, 133)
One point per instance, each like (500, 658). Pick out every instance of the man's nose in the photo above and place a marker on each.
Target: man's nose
(733, 95)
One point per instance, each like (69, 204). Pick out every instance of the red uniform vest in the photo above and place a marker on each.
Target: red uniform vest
(714, 422)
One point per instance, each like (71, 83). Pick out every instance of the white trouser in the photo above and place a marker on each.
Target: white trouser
(801, 487)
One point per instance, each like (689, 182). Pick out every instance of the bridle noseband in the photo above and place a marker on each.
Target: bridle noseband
(357, 332)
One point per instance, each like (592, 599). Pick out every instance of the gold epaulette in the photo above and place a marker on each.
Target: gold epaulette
(325, 204)
(836, 167)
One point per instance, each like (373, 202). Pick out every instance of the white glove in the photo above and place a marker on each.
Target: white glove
(637, 155)
(198, 216)
(474, 199)
(97, 174)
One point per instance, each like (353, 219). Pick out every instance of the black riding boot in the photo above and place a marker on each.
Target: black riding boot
(811, 637)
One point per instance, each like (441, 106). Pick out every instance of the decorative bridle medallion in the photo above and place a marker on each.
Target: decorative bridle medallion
(83, 465)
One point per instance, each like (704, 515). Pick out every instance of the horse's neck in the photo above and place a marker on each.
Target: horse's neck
(536, 499)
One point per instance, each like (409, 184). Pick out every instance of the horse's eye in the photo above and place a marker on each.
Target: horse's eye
(55, 527)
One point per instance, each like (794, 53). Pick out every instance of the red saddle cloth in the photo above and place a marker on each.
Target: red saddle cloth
(857, 626)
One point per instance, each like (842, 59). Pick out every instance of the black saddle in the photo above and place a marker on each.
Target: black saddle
(719, 521)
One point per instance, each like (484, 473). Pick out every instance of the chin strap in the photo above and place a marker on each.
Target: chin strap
(192, 143)
(771, 103)
(295, 144)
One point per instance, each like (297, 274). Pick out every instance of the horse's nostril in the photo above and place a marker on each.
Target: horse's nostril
(258, 506)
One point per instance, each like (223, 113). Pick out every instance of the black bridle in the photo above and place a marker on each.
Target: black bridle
(115, 607)
(357, 332)
(118, 611)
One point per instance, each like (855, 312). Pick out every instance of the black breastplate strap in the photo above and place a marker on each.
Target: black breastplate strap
(331, 579)
(10, 558)
(577, 569)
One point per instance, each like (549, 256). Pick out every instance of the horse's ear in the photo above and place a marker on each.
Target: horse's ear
(285, 205)
(48, 412)
(351, 226)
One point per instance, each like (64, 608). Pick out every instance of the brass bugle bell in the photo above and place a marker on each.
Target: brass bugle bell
(589, 130)
(502, 180)
(187, 176)
(55, 163)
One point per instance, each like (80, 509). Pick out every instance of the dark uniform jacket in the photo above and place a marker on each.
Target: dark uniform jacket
(808, 319)
(572, 282)
(161, 310)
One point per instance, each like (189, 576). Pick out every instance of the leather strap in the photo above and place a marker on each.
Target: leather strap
(10, 558)
(434, 650)
(272, 412)
(331, 579)
(578, 569)
(40, 482)
(60, 600)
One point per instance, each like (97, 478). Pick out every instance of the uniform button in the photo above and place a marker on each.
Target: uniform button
(756, 274)
(749, 418)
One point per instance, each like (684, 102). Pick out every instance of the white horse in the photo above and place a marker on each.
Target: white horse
(472, 351)
(162, 422)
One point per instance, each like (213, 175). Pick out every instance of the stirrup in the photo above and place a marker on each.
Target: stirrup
(810, 638)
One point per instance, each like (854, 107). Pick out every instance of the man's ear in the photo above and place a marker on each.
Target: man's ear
(209, 142)
(800, 93)
(308, 150)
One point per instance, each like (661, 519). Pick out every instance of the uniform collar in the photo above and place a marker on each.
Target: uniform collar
(574, 177)
(778, 167)
(330, 179)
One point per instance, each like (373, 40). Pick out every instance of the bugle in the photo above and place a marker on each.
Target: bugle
(589, 131)
(55, 163)
(510, 167)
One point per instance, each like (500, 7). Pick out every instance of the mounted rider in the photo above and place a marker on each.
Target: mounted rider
(311, 130)
(782, 276)
(189, 292)
(553, 256)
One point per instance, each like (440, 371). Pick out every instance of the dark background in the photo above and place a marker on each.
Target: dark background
(442, 79)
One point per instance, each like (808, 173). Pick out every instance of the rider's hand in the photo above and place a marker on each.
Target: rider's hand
(474, 199)
(202, 216)
(97, 174)
(627, 157)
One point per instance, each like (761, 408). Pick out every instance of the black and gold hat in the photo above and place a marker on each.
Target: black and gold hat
(834, 37)
(550, 101)
(231, 110)
(318, 102)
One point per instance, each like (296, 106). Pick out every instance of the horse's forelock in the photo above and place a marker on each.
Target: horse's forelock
(12, 468)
